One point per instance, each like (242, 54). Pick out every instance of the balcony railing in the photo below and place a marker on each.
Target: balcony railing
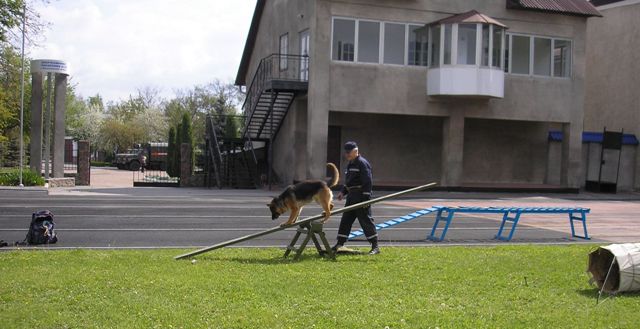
(275, 67)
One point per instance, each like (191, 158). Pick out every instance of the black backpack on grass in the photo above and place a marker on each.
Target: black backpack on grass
(42, 228)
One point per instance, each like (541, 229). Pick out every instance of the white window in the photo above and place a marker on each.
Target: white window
(542, 56)
(344, 36)
(561, 58)
(418, 45)
(284, 51)
(498, 37)
(467, 34)
(394, 43)
(507, 51)
(368, 42)
(486, 45)
(447, 44)
(520, 54)
(435, 46)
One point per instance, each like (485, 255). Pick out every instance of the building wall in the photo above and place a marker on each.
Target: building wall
(289, 156)
(279, 17)
(613, 59)
(391, 89)
(371, 91)
(501, 151)
(613, 78)
(402, 150)
(402, 90)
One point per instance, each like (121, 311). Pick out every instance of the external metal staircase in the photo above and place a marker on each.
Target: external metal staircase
(230, 162)
(278, 80)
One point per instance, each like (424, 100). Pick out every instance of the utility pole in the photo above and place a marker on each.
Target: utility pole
(24, 18)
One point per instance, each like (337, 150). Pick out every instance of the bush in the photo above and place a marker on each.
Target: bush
(12, 178)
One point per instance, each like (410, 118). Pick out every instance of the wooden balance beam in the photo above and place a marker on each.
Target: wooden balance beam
(303, 221)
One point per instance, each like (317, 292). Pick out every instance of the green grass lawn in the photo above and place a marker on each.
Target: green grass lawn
(445, 287)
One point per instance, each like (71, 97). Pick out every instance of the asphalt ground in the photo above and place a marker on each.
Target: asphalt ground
(152, 217)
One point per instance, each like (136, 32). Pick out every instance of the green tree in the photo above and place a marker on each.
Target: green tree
(187, 136)
(171, 150)
(11, 13)
(10, 81)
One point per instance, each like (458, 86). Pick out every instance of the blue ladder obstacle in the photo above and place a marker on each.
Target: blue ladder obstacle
(395, 221)
(509, 214)
(575, 214)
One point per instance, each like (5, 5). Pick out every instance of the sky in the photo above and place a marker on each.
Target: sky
(114, 47)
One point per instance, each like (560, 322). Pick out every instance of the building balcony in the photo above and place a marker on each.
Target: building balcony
(466, 80)
(466, 53)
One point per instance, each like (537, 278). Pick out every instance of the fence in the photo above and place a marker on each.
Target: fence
(155, 168)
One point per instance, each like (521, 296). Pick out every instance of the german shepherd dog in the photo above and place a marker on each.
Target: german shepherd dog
(297, 196)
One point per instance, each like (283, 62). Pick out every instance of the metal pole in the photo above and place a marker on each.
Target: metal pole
(306, 220)
(24, 15)
(47, 128)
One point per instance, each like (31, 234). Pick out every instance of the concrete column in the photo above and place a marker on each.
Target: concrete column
(35, 146)
(571, 155)
(319, 96)
(185, 164)
(84, 164)
(554, 159)
(452, 149)
(59, 108)
(47, 129)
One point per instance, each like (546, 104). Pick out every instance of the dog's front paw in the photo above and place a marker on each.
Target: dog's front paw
(283, 224)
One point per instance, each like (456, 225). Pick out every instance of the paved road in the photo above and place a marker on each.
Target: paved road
(172, 217)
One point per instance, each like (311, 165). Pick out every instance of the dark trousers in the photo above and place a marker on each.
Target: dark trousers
(364, 218)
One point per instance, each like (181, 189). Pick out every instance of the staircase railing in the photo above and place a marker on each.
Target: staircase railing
(213, 148)
(274, 67)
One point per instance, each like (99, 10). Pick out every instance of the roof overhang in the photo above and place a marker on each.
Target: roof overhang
(563, 7)
(469, 17)
(249, 44)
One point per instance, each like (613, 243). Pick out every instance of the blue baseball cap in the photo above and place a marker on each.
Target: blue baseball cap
(349, 146)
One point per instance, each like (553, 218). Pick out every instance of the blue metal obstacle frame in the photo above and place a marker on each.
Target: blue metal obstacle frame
(509, 214)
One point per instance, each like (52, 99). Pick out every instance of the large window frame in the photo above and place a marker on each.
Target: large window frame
(381, 44)
(532, 37)
(449, 38)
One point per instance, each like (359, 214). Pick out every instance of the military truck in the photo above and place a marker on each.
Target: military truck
(150, 155)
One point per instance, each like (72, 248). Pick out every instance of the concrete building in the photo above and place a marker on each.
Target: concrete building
(465, 93)
(612, 99)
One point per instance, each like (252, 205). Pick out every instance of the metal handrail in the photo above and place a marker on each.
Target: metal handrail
(273, 67)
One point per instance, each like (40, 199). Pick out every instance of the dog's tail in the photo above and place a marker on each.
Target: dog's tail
(335, 177)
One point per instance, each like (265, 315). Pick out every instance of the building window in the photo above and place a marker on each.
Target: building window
(520, 54)
(344, 36)
(418, 46)
(486, 46)
(542, 56)
(284, 51)
(394, 43)
(368, 42)
(498, 37)
(447, 44)
(561, 58)
(467, 34)
(507, 51)
(435, 46)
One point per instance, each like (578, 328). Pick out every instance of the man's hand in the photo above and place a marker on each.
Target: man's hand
(340, 196)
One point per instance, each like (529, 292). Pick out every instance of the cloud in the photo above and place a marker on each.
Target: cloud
(114, 47)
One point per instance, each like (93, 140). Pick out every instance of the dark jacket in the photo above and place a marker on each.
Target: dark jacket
(358, 177)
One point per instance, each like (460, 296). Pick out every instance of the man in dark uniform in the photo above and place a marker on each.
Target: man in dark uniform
(357, 188)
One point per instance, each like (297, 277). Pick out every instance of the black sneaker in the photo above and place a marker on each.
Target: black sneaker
(336, 247)
(374, 251)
